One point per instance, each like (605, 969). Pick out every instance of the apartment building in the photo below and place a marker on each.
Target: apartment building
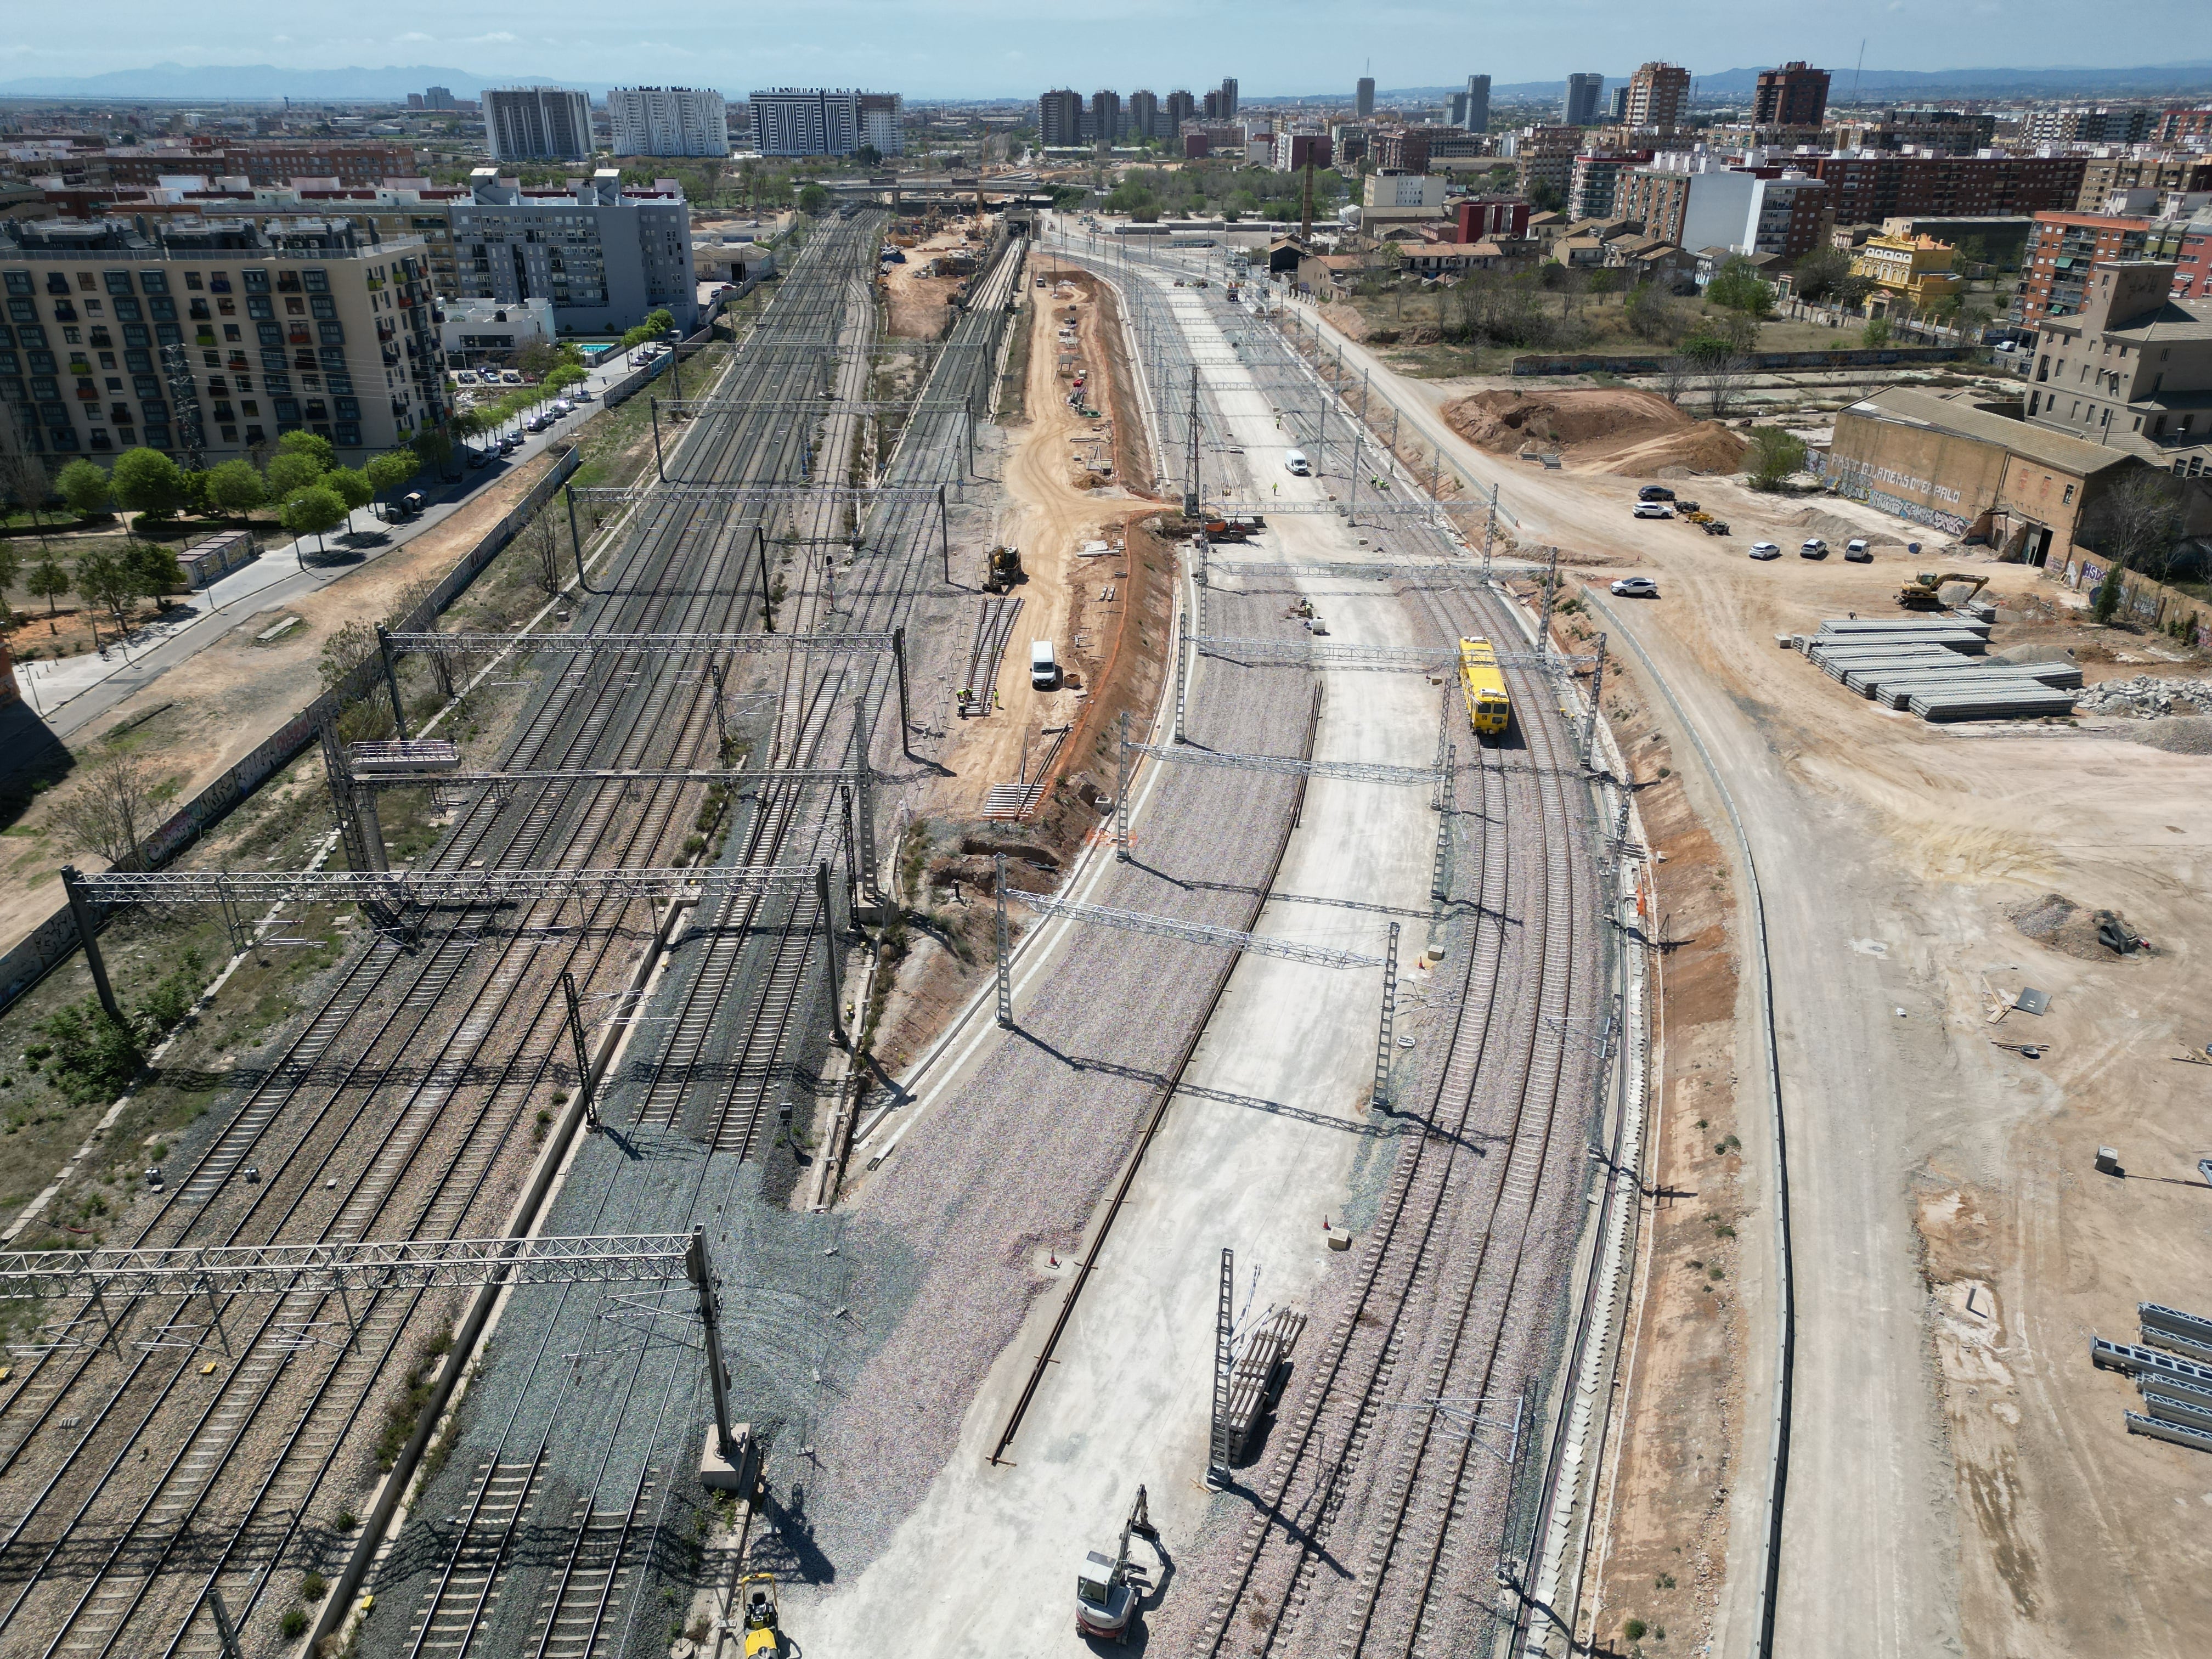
(1937, 131)
(1402, 149)
(2102, 176)
(1657, 95)
(2064, 248)
(1181, 109)
(1389, 189)
(807, 121)
(1060, 118)
(667, 121)
(1144, 115)
(2190, 126)
(604, 256)
(256, 164)
(1795, 96)
(1362, 97)
(211, 340)
(1105, 123)
(1584, 98)
(1701, 206)
(2089, 124)
(1293, 151)
(883, 122)
(1867, 188)
(536, 124)
(1470, 107)
(2131, 367)
(1596, 181)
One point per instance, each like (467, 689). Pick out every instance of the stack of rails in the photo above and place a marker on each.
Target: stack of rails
(116, 1551)
(1929, 666)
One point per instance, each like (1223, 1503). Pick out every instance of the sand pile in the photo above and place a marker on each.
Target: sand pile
(2056, 920)
(1618, 430)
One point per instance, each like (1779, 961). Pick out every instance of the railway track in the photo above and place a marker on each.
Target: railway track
(737, 998)
(96, 1534)
(1377, 1518)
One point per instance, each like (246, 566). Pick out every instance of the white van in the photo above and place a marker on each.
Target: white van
(1044, 668)
(1295, 461)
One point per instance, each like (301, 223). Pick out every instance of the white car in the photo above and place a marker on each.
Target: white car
(1815, 548)
(1654, 510)
(1855, 551)
(1636, 587)
(1765, 550)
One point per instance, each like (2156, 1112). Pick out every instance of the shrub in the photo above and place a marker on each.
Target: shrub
(1634, 1628)
(314, 1587)
(294, 1624)
(94, 1057)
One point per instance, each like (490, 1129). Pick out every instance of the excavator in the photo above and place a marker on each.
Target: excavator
(1925, 590)
(1006, 569)
(1105, 1599)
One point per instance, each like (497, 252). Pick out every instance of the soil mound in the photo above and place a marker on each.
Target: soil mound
(2176, 734)
(1617, 431)
(2055, 921)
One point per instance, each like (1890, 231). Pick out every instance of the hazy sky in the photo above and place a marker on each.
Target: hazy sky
(1017, 47)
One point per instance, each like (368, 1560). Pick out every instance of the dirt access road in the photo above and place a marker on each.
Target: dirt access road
(1056, 506)
(1959, 1479)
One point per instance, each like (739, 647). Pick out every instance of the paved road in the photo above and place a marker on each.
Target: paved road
(1869, 1559)
(70, 694)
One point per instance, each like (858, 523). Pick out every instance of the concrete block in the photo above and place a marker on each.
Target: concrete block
(2108, 1161)
(741, 1474)
(1339, 1238)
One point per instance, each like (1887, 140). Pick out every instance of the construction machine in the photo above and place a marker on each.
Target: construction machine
(763, 1635)
(1006, 570)
(1105, 1599)
(1925, 590)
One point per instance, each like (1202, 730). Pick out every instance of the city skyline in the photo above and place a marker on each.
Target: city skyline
(987, 49)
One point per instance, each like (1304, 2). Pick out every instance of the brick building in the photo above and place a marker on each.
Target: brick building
(1866, 189)
(1794, 95)
(2063, 246)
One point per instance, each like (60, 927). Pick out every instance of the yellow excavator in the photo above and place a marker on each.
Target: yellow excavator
(1006, 569)
(1925, 590)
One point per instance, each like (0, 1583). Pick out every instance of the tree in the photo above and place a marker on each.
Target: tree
(1774, 454)
(49, 579)
(351, 485)
(112, 809)
(103, 579)
(1819, 272)
(235, 489)
(313, 511)
(1726, 376)
(11, 567)
(2135, 523)
(306, 443)
(1678, 378)
(1604, 281)
(85, 487)
(813, 200)
(23, 476)
(290, 471)
(1737, 286)
(148, 483)
(536, 360)
(155, 570)
(868, 157)
(434, 446)
(541, 547)
(389, 471)
(412, 606)
(352, 645)
(1875, 334)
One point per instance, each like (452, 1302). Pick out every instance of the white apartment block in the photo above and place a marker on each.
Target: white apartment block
(538, 123)
(209, 341)
(668, 121)
(883, 122)
(818, 121)
(604, 257)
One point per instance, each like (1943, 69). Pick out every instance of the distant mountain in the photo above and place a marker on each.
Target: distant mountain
(2190, 79)
(213, 82)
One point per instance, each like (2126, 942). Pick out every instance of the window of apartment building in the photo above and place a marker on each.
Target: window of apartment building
(85, 282)
(255, 282)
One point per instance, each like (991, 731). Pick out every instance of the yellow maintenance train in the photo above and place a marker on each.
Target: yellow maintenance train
(1489, 709)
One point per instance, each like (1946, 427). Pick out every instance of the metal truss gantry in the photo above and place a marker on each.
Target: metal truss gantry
(369, 1267)
(1413, 575)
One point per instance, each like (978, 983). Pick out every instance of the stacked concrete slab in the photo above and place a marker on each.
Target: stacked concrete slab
(1932, 665)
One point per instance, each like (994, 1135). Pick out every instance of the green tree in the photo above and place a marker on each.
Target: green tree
(434, 446)
(315, 510)
(1875, 333)
(84, 486)
(813, 200)
(353, 486)
(235, 489)
(654, 327)
(537, 359)
(1774, 454)
(1603, 281)
(49, 579)
(1737, 286)
(1819, 272)
(290, 471)
(103, 579)
(395, 467)
(154, 569)
(2105, 601)
(148, 483)
(306, 443)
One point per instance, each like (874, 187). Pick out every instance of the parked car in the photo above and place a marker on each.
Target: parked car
(1636, 587)
(1815, 548)
(1654, 510)
(562, 407)
(583, 394)
(513, 377)
(508, 445)
(1655, 493)
(411, 503)
(1855, 551)
(477, 458)
(1765, 550)
(466, 377)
